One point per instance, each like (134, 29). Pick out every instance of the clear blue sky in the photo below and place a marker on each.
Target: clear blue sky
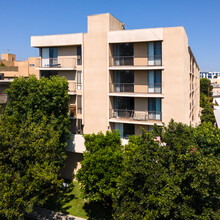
(20, 19)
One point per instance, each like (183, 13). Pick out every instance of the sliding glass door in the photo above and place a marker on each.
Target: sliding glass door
(154, 53)
(154, 109)
(154, 81)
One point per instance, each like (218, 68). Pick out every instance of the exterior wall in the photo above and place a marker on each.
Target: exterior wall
(140, 54)
(95, 72)
(140, 81)
(138, 129)
(15, 68)
(57, 40)
(71, 165)
(174, 77)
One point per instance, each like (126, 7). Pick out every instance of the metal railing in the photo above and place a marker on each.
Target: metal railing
(56, 62)
(136, 88)
(155, 88)
(135, 115)
(155, 60)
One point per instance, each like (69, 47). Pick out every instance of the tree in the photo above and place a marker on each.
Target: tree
(33, 136)
(101, 166)
(206, 87)
(208, 114)
(167, 180)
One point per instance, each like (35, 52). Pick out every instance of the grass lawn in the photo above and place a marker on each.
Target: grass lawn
(68, 200)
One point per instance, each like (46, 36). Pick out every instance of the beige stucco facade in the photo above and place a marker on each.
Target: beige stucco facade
(12, 68)
(152, 70)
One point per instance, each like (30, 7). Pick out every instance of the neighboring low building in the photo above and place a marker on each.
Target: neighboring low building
(122, 79)
(210, 75)
(10, 68)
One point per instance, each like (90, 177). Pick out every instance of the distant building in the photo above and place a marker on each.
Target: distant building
(210, 75)
(10, 68)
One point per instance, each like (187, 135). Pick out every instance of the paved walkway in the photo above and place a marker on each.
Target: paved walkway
(44, 214)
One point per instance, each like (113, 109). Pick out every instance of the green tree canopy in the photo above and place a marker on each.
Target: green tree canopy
(169, 173)
(205, 85)
(101, 166)
(33, 134)
(167, 180)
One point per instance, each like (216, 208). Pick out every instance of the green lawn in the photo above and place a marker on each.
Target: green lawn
(68, 200)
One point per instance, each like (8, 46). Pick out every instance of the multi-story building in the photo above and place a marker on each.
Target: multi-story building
(210, 75)
(10, 68)
(122, 79)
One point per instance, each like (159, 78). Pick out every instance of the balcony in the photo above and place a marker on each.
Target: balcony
(72, 110)
(133, 61)
(56, 64)
(135, 116)
(126, 88)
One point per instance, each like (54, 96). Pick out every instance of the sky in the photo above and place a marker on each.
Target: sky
(21, 19)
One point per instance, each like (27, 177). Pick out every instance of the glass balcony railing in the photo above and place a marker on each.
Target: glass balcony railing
(135, 115)
(56, 63)
(155, 88)
(155, 60)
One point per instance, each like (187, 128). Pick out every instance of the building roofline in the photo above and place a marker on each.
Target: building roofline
(193, 56)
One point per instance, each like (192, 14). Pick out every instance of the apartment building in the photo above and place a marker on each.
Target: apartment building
(210, 75)
(122, 79)
(10, 68)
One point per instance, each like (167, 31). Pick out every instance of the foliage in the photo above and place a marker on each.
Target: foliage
(67, 200)
(33, 132)
(208, 114)
(207, 137)
(205, 103)
(101, 166)
(2, 64)
(204, 84)
(172, 180)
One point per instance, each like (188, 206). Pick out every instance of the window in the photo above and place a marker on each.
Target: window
(126, 130)
(79, 55)
(154, 81)
(123, 54)
(79, 104)
(79, 80)
(49, 56)
(32, 64)
(155, 53)
(48, 73)
(1, 76)
(154, 109)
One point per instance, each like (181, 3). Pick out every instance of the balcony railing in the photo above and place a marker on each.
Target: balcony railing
(56, 63)
(135, 115)
(155, 60)
(136, 88)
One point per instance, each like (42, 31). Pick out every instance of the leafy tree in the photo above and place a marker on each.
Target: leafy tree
(33, 134)
(207, 137)
(205, 86)
(208, 114)
(172, 180)
(101, 166)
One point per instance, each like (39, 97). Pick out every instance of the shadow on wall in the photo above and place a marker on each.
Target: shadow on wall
(71, 165)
